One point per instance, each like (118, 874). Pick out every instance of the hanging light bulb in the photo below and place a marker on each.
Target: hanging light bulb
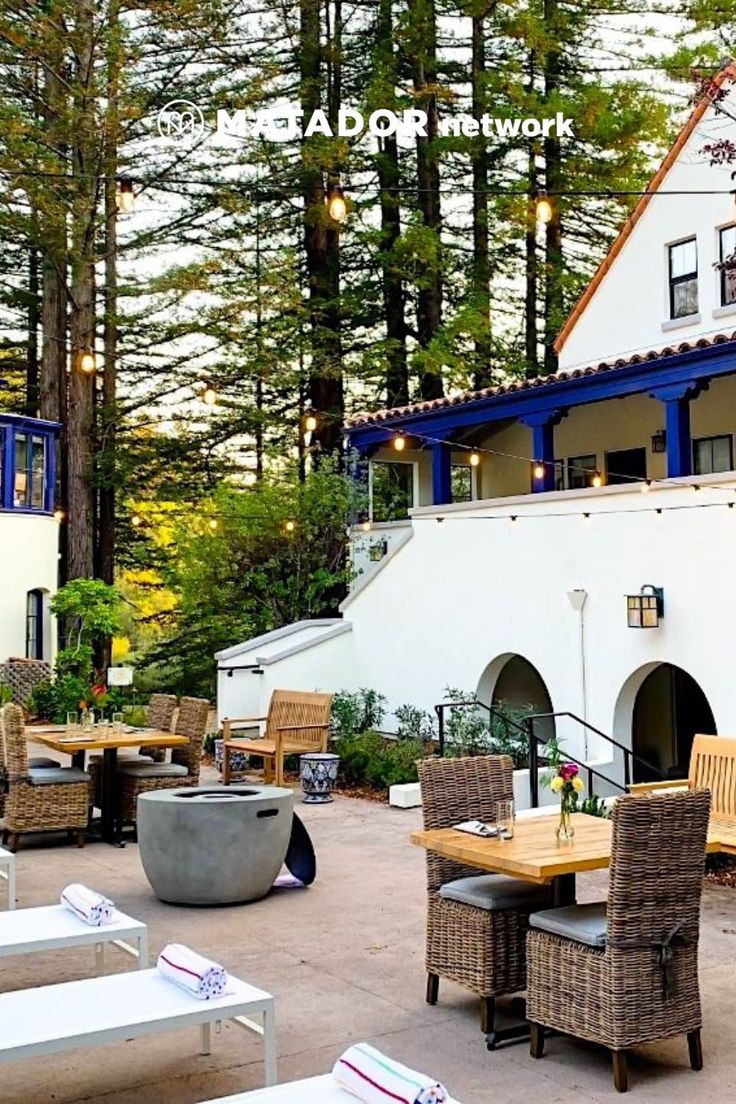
(336, 206)
(646, 486)
(289, 526)
(87, 362)
(125, 197)
(597, 480)
(538, 470)
(59, 514)
(366, 525)
(136, 521)
(310, 423)
(209, 393)
(544, 209)
(399, 442)
(474, 459)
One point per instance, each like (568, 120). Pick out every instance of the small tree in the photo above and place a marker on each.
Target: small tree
(90, 610)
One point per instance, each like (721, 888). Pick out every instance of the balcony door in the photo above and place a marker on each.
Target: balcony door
(626, 465)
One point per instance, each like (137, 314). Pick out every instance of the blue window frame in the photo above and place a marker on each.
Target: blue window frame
(27, 464)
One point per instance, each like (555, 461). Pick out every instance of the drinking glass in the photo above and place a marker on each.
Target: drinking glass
(505, 819)
(88, 720)
(117, 723)
(72, 720)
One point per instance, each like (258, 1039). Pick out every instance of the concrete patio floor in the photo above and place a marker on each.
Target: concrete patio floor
(344, 960)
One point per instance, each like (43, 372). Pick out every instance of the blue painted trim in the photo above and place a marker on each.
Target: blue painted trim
(689, 369)
(36, 425)
(543, 447)
(12, 425)
(441, 475)
(679, 445)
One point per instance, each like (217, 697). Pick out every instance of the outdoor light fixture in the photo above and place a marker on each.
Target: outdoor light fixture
(645, 609)
(399, 442)
(136, 521)
(336, 206)
(59, 514)
(212, 525)
(125, 197)
(366, 525)
(209, 393)
(87, 361)
(310, 423)
(597, 480)
(545, 210)
(646, 486)
(659, 441)
(474, 459)
(289, 526)
(538, 470)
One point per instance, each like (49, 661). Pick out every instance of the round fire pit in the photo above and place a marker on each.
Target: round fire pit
(207, 846)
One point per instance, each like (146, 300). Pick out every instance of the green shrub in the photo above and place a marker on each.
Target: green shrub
(6, 693)
(469, 730)
(357, 712)
(414, 723)
(52, 699)
(369, 759)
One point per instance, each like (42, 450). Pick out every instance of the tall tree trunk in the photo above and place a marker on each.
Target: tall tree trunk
(553, 284)
(429, 295)
(33, 316)
(531, 273)
(321, 250)
(480, 163)
(80, 445)
(108, 416)
(389, 180)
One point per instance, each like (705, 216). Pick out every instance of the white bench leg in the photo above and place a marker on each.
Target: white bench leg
(269, 1046)
(143, 951)
(206, 1038)
(11, 884)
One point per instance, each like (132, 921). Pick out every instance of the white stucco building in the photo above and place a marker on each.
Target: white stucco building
(511, 524)
(29, 538)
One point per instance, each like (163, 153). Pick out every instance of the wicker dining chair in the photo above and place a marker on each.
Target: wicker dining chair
(635, 979)
(183, 770)
(159, 715)
(45, 799)
(476, 922)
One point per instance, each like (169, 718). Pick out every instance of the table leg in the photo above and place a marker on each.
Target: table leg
(564, 890)
(109, 787)
(78, 759)
(269, 1047)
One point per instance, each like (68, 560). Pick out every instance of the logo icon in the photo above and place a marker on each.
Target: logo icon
(182, 120)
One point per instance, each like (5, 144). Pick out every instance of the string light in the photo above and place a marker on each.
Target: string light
(213, 525)
(399, 442)
(474, 459)
(336, 205)
(209, 393)
(87, 362)
(136, 521)
(289, 526)
(545, 210)
(646, 486)
(366, 525)
(59, 514)
(310, 422)
(586, 519)
(597, 480)
(538, 470)
(125, 197)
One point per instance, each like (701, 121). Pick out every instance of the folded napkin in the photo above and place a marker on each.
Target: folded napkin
(372, 1077)
(201, 977)
(88, 905)
(476, 828)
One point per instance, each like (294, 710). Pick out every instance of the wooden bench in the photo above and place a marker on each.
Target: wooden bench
(712, 767)
(100, 1010)
(315, 1090)
(7, 873)
(297, 722)
(53, 928)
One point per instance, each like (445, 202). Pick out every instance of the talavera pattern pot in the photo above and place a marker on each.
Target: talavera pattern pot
(318, 775)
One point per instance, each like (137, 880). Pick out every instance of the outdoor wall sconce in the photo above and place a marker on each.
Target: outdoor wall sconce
(659, 441)
(644, 610)
(377, 550)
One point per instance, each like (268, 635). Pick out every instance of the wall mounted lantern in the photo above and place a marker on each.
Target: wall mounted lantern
(645, 609)
(659, 441)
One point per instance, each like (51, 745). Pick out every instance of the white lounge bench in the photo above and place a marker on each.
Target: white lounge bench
(53, 927)
(7, 873)
(55, 1018)
(315, 1090)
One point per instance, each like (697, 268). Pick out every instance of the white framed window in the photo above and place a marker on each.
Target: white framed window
(726, 270)
(683, 278)
(463, 489)
(713, 454)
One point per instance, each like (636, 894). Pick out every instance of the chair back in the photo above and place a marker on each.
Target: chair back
(16, 748)
(291, 708)
(454, 790)
(160, 711)
(191, 722)
(656, 880)
(713, 767)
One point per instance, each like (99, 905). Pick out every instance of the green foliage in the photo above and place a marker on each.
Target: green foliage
(593, 805)
(470, 731)
(6, 693)
(414, 724)
(369, 758)
(357, 712)
(74, 661)
(91, 607)
(52, 699)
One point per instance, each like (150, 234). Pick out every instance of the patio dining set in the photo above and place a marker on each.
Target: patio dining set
(502, 916)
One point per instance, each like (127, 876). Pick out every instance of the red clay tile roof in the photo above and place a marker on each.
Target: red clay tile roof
(465, 397)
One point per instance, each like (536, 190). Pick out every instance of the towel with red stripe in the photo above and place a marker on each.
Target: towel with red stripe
(89, 906)
(372, 1077)
(200, 976)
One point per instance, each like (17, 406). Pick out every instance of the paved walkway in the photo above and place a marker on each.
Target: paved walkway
(345, 962)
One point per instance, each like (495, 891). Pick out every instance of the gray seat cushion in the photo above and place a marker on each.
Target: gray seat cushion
(36, 762)
(496, 891)
(582, 923)
(55, 776)
(123, 757)
(153, 770)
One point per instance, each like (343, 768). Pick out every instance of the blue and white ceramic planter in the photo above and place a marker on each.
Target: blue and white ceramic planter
(239, 760)
(318, 774)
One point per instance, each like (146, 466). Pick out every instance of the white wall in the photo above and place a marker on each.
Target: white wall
(29, 560)
(627, 312)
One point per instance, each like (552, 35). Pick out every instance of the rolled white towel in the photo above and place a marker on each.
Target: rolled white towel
(372, 1077)
(87, 904)
(200, 976)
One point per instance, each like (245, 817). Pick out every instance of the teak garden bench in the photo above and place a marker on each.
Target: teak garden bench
(297, 722)
(712, 767)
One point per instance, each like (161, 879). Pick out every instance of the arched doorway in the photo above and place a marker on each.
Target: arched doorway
(669, 708)
(513, 685)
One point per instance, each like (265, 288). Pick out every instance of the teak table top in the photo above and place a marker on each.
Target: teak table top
(534, 853)
(59, 739)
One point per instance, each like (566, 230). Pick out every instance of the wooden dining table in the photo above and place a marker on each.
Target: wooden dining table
(74, 742)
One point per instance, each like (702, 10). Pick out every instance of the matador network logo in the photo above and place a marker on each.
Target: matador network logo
(181, 120)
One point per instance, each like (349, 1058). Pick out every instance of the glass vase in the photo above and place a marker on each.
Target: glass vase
(565, 831)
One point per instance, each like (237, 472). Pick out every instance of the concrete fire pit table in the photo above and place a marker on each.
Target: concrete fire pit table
(207, 846)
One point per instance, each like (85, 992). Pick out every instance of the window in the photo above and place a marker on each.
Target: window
(34, 624)
(391, 490)
(683, 260)
(727, 238)
(580, 470)
(713, 454)
(30, 471)
(462, 483)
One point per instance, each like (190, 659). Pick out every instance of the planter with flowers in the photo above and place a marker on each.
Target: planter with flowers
(564, 780)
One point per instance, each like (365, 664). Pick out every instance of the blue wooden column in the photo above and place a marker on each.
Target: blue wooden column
(676, 399)
(441, 474)
(543, 447)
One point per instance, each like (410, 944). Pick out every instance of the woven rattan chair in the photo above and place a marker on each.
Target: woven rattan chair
(482, 949)
(159, 715)
(183, 770)
(642, 984)
(40, 799)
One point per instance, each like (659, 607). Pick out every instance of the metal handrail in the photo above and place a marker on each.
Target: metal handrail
(629, 756)
(491, 710)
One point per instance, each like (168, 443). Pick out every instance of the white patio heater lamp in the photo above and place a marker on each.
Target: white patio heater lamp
(645, 609)
(119, 676)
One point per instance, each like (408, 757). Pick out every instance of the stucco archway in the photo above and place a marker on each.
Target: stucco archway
(512, 681)
(659, 709)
